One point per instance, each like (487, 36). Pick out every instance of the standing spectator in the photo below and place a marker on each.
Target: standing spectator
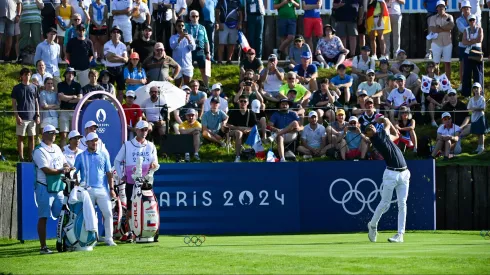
(360, 65)
(98, 11)
(286, 23)
(343, 82)
(462, 23)
(395, 10)
(158, 65)
(48, 15)
(473, 69)
(378, 24)
(213, 122)
(476, 8)
(26, 111)
(478, 125)
(116, 56)
(324, 100)
(182, 46)
(50, 53)
(134, 74)
(400, 97)
(297, 49)
(120, 15)
(457, 109)
(105, 81)
(255, 11)
(80, 52)
(430, 6)
(152, 112)
(372, 88)
(192, 127)
(49, 103)
(442, 24)
(312, 21)
(140, 18)
(307, 72)
(201, 53)
(252, 62)
(30, 23)
(406, 126)
(64, 13)
(41, 75)
(229, 20)
(10, 12)
(330, 48)
(69, 94)
(401, 56)
(285, 125)
(240, 123)
(164, 16)
(346, 17)
(92, 86)
(215, 93)
(207, 8)
(81, 7)
(144, 45)
(271, 78)
(72, 32)
(447, 138)
(133, 113)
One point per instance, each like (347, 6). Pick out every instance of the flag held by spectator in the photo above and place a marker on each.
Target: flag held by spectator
(426, 81)
(445, 83)
(271, 157)
(242, 40)
(254, 141)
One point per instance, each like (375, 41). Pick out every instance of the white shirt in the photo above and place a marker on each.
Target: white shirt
(48, 156)
(272, 83)
(77, 9)
(129, 153)
(118, 49)
(360, 64)
(448, 132)
(398, 98)
(314, 137)
(70, 157)
(475, 6)
(480, 103)
(223, 104)
(371, 90)
(121, 5)
(41, 78)
(143, 10)
(394, 7)
(152, 112)
(181, 4)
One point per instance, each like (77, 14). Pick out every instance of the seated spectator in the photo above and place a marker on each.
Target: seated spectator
(368, 115)
(49, 103)
(140, 17)
(457, 109)
(92, 86)
(134, 74)
(343, 82)
(335, 131)
(383, 73)
(295, 106)
(324, 101)
(144, 45)
(330, 48)
(400, 97)
(179, 114)
(372, 88)
(361, 102)
(307, 72)
(133, 113)
(192, 127)
(434, 100)
(430, 69)
(249, 88)
(213, 122)
(158, 65)
(478, 124)
(296, 50)
(390, 85)
(216, 93)
(406, 126)
(360, 65)
(40, 76)
(182, 45)
(447, 138)
(250, 63)
(357, 143)
(302, 96)
(285, 126)
(259, 109)
(401, 56)
(240, 123)
(197, 97)
(442, 24)
(151, 108)
(105, 81)
(412, 81)
(271, 79)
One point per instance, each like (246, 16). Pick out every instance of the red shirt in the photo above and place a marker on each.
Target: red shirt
(132, 113)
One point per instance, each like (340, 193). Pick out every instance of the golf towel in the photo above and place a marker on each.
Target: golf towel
(81, 195)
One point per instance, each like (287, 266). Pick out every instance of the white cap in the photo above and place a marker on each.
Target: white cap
(216, 86)
(130, 93)
(73, 134)
(91, 136)
(90, 123)
(353, 118)
(451, 91)
(476, 84)
(312, 113)
(446, 114)
(141, 124)
(185, 87)
(465, 4)
(441, 2)
(36, 78)
(49, 128)
(256, 106)
(362, 92)
(370, 71)
(191, 112)
(472, 16)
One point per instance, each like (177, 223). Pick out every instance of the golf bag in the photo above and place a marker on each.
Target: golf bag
(119, 207)
(145, 216)
(77, 223)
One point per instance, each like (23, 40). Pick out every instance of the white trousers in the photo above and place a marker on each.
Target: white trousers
(100, 197)
(398, 181)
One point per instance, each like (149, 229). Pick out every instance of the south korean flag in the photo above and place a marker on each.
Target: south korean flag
(445, 83)
(426, 81)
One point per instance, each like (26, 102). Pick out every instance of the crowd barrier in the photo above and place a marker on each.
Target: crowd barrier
(266, 198)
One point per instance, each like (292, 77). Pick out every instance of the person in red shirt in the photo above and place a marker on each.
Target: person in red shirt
(133, 113)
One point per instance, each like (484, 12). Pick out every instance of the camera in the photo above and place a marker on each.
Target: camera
(248, 83)
(351, 128)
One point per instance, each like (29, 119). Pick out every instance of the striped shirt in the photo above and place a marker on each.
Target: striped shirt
(31, 14)
(93, 167)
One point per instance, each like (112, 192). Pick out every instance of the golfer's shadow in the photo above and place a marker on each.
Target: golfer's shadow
(19, 252)
(283, 244)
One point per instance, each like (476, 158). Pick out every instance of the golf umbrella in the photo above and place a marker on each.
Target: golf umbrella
(173, 96)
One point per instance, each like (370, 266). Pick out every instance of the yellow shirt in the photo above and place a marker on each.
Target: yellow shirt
(187, 126)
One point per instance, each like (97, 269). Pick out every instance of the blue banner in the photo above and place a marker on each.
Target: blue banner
(262, 198)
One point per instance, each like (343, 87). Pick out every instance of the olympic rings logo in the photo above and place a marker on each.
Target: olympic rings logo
(194, 240)
(359, 196)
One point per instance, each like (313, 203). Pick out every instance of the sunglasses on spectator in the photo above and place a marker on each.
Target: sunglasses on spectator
(472, 19)
(243, 101)
(195, 16)
(115, 31)
(451, 95)
(135, 59)
(370, 74)
(159, 50)
(77, 19)
(291, 78)
(352, 123)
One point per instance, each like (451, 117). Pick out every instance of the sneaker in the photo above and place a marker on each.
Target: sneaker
(428, 55)
(110, 242)
(373, 232)
(307, 156)
(283, 160)
(433, 123)
(374, 57)
(237, 159)
(45, 250)
(398, 238)
(196, 157)
(187, 157)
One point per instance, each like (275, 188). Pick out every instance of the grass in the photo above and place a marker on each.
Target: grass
(228, 76)
(448, 252)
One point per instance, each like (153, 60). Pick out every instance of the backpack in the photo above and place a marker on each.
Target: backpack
(424, 149)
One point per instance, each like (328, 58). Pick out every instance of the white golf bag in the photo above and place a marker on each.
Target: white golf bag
(77, 223)
(119, 207)
(145, 214)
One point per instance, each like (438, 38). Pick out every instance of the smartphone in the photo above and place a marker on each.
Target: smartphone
(185, 31)
(351, 128)
(248, 83)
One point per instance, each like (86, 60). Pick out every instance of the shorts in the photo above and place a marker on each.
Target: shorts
(48, 204)
(286, 27)
(228, 36)
(478, 127)
(440, 51)
(118, 77)
(353, 153)
(189, 72)
(375, 26)
(65, 120)
(313, 25)
(199, 57)
(461, 53)
(27, 126)
(17, 29)
(125, 26)
(129, 195)
(7, 26)
(98, 32)
(50, 121)
(344, 29)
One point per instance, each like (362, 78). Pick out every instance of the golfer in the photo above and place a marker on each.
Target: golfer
(396, 177)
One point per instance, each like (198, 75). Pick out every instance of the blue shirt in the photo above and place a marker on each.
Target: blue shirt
(198, 32)
(391, 153)
(50, 54)
(213, 120)
(208, 10)
(312, 13)
(310, 70)
(182, 51)
(336, 80)
(194, 98)
(353, 140)
(135, 74)
(431, 5)
(93, 167)
(281, 120)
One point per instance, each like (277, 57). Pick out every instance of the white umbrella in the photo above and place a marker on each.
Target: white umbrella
(174, 97)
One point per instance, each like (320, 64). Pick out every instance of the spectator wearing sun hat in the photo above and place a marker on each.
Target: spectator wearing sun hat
(447, 138)
(296, 50)
(192, 127)
(476, 7)
(330, 48)
(134, 73)
(216, 93)
(478, 126)
(69, 93)
(307, 73)
(400, 57)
